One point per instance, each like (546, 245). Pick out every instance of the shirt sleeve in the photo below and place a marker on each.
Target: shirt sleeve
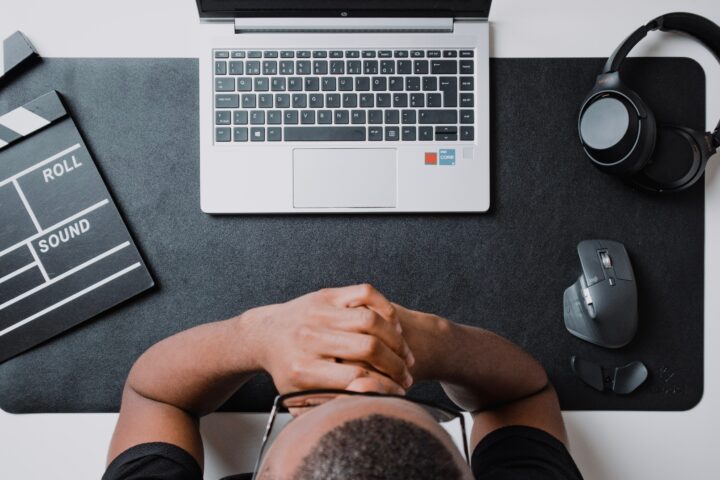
(519, 452)
(158, 461)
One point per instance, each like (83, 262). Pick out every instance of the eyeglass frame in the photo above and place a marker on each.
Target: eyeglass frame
(279, 399)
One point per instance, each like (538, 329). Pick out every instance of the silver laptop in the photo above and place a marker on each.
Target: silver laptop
(344, 106)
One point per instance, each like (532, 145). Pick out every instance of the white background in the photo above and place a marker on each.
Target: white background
(606, 445)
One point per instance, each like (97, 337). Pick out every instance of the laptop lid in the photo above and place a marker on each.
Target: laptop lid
(344, 8)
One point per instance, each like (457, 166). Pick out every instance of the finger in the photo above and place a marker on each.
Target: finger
(364, 320)
(319, 374)
(375, 383)
(364, 295)
(364, 348)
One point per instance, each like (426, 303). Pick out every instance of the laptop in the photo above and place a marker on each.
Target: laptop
(379, 106)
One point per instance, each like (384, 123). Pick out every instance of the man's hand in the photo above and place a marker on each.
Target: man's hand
(341, 338)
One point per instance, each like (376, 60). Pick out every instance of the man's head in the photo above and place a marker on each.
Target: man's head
(364, 438)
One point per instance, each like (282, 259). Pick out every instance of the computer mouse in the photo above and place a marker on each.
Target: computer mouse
(601, 306)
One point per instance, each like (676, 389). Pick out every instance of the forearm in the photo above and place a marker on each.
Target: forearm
(477, 368)
(197, 370)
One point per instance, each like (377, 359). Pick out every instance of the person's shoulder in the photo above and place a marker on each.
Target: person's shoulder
(155, 460)
(523, 452)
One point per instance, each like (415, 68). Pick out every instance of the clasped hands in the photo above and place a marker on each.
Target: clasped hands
(350, 338)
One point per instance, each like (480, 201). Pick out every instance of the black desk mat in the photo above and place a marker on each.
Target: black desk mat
(505, 270)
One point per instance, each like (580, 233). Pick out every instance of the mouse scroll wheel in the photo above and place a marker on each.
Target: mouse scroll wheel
(606, 260)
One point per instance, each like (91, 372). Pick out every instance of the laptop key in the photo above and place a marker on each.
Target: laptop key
(222, 54)
(430, 84)
(370, 67)
(271, 54)
(261, 84)
(320, 54)
(336, 54)
(222, 117)
(450, 53)
(421, 67)
(324, 134)
(240, 117)
(352, 54)
(220, 68)
(244, 84)
(345, 84)
(274, 117)
(434, 100)
(383, 100)
(466, 53)
(249, 100)
(417, 100)
(396, 84)
(274, 134)
(265, 100)
(237, 54)
(240, 134)
(307, 117)
(332, 100)
(277, 84)
(252, 67)
(400, 100)
(392, 134)
(295, 84)
(257, 117)
(387, 67)
(290, 117)
(467, 116)
(354, 67)
(392, 117)
(404, 67)
(445, 133)
(304, 54)
(443, 67)
(426, 134)
(467, 67)
(227, 100)
(449, 87)
(375, 117)
(350, 100)
(225, 84)
(433, 54)
(316, 100)
(467, 100)
(409, 134)
(236, 67)
(357, 117)
(282, 100)
(254, 54)
(362, 84)
(287, 54)
(257, 134)
(401, 54)
(337, 67)
(299, 100)
(438, 117)
(223, 134)
(385, 54)
(467, 83)
(369, 54)
(412, 84)
(287, 68)
(303, 67)
(342, 116)
(324, 117)
(270, 67)
(409, 117)
(320, 67)
(367, 100)
(379, 84)
(329, 84)
(375, 134)
(467, 133)
(312, 84)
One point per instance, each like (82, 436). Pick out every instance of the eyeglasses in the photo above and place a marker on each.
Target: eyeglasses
(298, 403)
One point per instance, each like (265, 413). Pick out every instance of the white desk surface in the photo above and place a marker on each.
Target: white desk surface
(606, 445)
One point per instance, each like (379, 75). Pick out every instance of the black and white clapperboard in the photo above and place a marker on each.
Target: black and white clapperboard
(65, 252)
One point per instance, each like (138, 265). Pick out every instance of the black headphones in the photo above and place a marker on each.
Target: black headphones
(619, 133)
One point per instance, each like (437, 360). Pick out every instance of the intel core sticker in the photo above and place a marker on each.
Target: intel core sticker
(447, 157)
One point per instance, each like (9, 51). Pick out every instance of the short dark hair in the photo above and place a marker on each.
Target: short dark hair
(379, 447)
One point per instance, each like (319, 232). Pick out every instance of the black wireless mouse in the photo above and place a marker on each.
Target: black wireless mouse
(601, 307)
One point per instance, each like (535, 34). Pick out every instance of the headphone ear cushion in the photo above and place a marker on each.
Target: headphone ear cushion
(677, 162)
(616, 137)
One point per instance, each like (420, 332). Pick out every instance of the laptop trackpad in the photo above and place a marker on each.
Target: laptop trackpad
(344, 178)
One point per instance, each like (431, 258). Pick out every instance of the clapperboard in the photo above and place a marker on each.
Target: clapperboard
(65, 252)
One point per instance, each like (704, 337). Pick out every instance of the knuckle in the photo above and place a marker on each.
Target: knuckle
(295, 372)
(366, 290)
(371, 347)
(368, 319)
(391, 311)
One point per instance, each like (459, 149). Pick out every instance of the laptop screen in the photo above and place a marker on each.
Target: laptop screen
(344, 8)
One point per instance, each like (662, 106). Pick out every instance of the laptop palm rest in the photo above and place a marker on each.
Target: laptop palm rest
(344, 178)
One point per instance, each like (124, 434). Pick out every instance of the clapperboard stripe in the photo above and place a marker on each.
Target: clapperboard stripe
(30, 118)
(16, 49)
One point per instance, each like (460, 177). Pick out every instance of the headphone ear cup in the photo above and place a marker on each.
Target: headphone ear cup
(677, 163)
(617, 131)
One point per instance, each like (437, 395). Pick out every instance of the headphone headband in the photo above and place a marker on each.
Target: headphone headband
(700, 28)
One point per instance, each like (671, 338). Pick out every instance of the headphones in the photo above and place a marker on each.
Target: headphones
(619, 132)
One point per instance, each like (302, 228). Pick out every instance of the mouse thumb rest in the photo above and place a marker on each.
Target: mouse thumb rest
(624, 380)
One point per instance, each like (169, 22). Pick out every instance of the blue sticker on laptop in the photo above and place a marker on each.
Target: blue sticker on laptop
(447, 156)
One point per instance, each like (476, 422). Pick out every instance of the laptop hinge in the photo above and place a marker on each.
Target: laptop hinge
(343, 25)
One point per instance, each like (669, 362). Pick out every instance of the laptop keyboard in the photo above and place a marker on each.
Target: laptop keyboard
(344, 95)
